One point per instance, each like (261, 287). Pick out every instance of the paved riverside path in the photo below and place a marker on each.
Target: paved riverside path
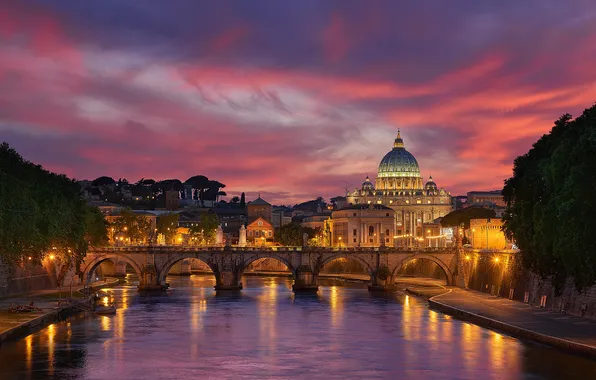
(520, 315)
(46, 300)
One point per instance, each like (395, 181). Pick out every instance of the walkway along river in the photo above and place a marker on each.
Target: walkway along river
(267, 331)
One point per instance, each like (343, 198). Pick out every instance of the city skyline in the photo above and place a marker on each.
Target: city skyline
(290, 99)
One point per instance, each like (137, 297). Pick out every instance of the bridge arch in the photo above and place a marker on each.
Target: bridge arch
(93, 264)
(436, 260)
(348, 256)
(165, 268)
(252, 258)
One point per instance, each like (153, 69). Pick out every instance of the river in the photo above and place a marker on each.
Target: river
(268, 332)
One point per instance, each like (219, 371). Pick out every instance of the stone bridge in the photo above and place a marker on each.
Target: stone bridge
(152, 263)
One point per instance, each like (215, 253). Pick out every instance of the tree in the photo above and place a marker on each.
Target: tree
(462, 216)
(551, 204)
(204, 231)
(235, 200)
(95, 226)
(167, 224)
(293, 234)
(131, 227)
(103, 181)
(41, 213)
(242, 200)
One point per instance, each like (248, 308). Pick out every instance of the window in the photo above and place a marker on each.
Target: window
(354, 240)
(370, 240)
(399, 232)
(371, 231)
(354, 214)
(354, 232)
(387, 214)
(269, 233)
(387, 232)
(418, 201)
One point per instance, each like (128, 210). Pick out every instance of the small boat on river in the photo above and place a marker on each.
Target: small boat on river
(105, 310)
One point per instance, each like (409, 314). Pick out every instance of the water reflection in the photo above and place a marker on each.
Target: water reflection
(266, 331)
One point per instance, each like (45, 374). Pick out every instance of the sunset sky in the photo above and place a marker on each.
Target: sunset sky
(290, 98)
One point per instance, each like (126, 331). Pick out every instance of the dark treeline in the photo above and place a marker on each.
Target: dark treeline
(551, 202)
(42, 213)
(151, 192)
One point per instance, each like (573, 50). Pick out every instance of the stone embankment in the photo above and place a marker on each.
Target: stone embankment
(569, 333)
(17, 325)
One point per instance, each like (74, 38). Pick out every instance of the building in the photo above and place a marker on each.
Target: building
(399, 186)
(487, 234)
(281, 216)
(259, 208)
(172, 200)
(363, 225)
(315, 221)
(259, 232)
(106, 208)
(486, 198)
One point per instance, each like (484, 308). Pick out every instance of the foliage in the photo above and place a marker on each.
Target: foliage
(131, 227)
(103, 181)
(40, 212)
(462, 216)
(167, 224)
(242, 200)
(235, 200)
(204, 230)
(292, 234)
(551, 204)
(95, 226)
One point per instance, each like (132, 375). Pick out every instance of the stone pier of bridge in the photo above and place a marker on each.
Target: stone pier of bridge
(153, 263)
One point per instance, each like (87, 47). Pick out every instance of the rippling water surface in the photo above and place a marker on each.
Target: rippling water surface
(268, 332)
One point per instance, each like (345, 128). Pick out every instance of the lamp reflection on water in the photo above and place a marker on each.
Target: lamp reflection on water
(51, 335)
(29, 350)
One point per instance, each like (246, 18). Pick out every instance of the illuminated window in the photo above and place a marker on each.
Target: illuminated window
(418, 201)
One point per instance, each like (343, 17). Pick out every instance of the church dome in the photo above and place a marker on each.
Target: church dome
(430, 185)
(399, 162)
(367, 185)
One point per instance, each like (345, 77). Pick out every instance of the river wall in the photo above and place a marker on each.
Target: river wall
(28, 277)
(25, 278)
(503, 279)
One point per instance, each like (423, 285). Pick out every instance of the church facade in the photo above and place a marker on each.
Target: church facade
(400, 186)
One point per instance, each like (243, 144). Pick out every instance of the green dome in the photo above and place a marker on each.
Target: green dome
(398, 162)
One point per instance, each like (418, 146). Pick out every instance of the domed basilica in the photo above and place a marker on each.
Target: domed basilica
(400, 186)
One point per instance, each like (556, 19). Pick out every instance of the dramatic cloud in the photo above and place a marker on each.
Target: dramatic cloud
(291, 99)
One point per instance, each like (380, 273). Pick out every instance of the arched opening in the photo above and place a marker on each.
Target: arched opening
(424, 270)
(267, 271)
(115, 266)
(187, 272)
(267, 266)
(345, 269)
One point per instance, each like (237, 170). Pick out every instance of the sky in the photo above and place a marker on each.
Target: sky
(292, 99)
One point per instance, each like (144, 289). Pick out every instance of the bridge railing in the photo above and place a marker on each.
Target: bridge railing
(187, 248)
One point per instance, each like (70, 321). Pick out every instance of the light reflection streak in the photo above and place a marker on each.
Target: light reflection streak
(29, 351)
(336, 307)
(51, 335)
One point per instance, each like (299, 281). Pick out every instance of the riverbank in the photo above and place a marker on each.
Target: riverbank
(572, 334)
(50, 310)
